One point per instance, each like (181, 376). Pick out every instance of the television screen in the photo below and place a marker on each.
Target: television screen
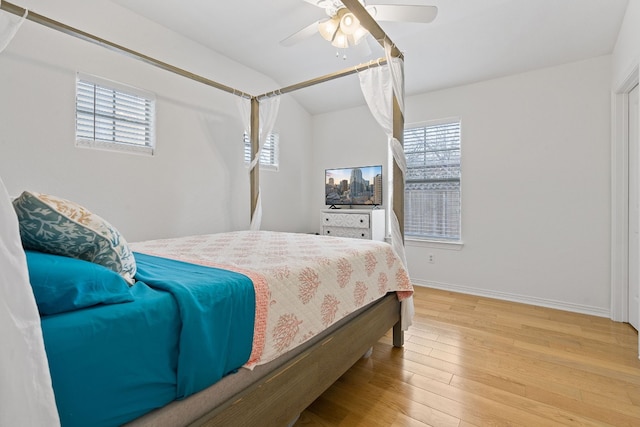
(353, 186)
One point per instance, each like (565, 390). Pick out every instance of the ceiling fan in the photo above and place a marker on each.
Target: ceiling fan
(343, 29)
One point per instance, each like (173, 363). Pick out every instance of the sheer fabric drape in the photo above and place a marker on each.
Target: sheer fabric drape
(379, 85)
(268, 113)
(26, 395)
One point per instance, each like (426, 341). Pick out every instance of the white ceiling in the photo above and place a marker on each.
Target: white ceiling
(469, 41)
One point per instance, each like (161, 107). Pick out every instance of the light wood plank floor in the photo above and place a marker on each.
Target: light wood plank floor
(473, 361)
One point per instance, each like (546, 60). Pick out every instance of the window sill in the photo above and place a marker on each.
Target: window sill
(115, 146)
(454, 245)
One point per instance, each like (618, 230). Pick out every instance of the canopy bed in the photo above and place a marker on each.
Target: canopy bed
(284, 376)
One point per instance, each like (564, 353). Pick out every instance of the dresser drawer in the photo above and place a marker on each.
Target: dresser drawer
(356, 233)
(345, 220)
(355, 223)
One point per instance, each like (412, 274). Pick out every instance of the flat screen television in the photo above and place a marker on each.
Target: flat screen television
(353, 186)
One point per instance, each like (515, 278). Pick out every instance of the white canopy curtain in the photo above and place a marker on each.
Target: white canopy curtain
(26, 394)
(379, 84)
(268, 112)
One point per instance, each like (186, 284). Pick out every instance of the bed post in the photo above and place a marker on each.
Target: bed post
(398, 198)
(254, 175)
(398, 178)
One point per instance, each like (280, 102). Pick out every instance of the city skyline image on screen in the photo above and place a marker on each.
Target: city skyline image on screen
(354, 186)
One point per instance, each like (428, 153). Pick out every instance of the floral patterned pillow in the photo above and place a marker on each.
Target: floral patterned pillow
(60, 227)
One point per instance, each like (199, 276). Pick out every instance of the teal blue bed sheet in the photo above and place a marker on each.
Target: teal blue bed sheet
(217, 310)
(187, 327)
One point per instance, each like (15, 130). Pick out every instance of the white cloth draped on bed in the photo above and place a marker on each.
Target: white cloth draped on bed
(378, 85)
(26, 395)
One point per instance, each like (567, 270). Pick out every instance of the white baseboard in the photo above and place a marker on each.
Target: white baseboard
(542, 302)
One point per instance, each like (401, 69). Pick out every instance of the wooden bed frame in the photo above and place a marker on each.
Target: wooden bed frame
(275, 397)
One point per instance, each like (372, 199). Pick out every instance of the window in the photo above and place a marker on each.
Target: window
(113, 116)
(269, 153)
(432, 190)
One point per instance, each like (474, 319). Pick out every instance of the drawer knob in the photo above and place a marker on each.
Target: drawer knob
(362, 220)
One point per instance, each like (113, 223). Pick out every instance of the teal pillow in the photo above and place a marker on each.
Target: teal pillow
(61, 227)
(63, 284)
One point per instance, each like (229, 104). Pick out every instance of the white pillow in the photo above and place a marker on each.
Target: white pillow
(26, 395)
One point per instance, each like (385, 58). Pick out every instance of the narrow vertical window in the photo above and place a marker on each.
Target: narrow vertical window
(113, 116)
(432, 190)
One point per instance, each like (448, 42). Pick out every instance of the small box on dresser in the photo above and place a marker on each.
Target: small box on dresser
(356, 223)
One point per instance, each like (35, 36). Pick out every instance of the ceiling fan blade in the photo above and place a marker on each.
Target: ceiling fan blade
(301, 35)
(403, 13)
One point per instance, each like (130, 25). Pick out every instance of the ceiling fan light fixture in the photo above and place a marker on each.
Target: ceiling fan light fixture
(328, 28)
(343, 28)
(341, 41)
(349, 24)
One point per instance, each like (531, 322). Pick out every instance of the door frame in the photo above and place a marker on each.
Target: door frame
(620, 198)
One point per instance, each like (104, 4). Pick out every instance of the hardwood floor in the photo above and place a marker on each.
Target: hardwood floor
(473, 361)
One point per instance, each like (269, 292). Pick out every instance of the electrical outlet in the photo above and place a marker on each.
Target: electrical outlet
(431, 258)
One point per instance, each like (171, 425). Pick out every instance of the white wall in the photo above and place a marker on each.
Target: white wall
(535, 189)
(196, 182)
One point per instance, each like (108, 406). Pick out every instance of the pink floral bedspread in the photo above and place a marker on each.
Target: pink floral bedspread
(304, 283)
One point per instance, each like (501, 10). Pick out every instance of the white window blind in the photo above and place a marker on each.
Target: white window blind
(268, 155)
(113, 116)
(432, 190)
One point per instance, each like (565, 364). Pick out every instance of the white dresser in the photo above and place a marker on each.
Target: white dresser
(355, 223)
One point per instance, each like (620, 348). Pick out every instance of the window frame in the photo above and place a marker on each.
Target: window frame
(272, 151)
(148, 112)
(436, 241)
